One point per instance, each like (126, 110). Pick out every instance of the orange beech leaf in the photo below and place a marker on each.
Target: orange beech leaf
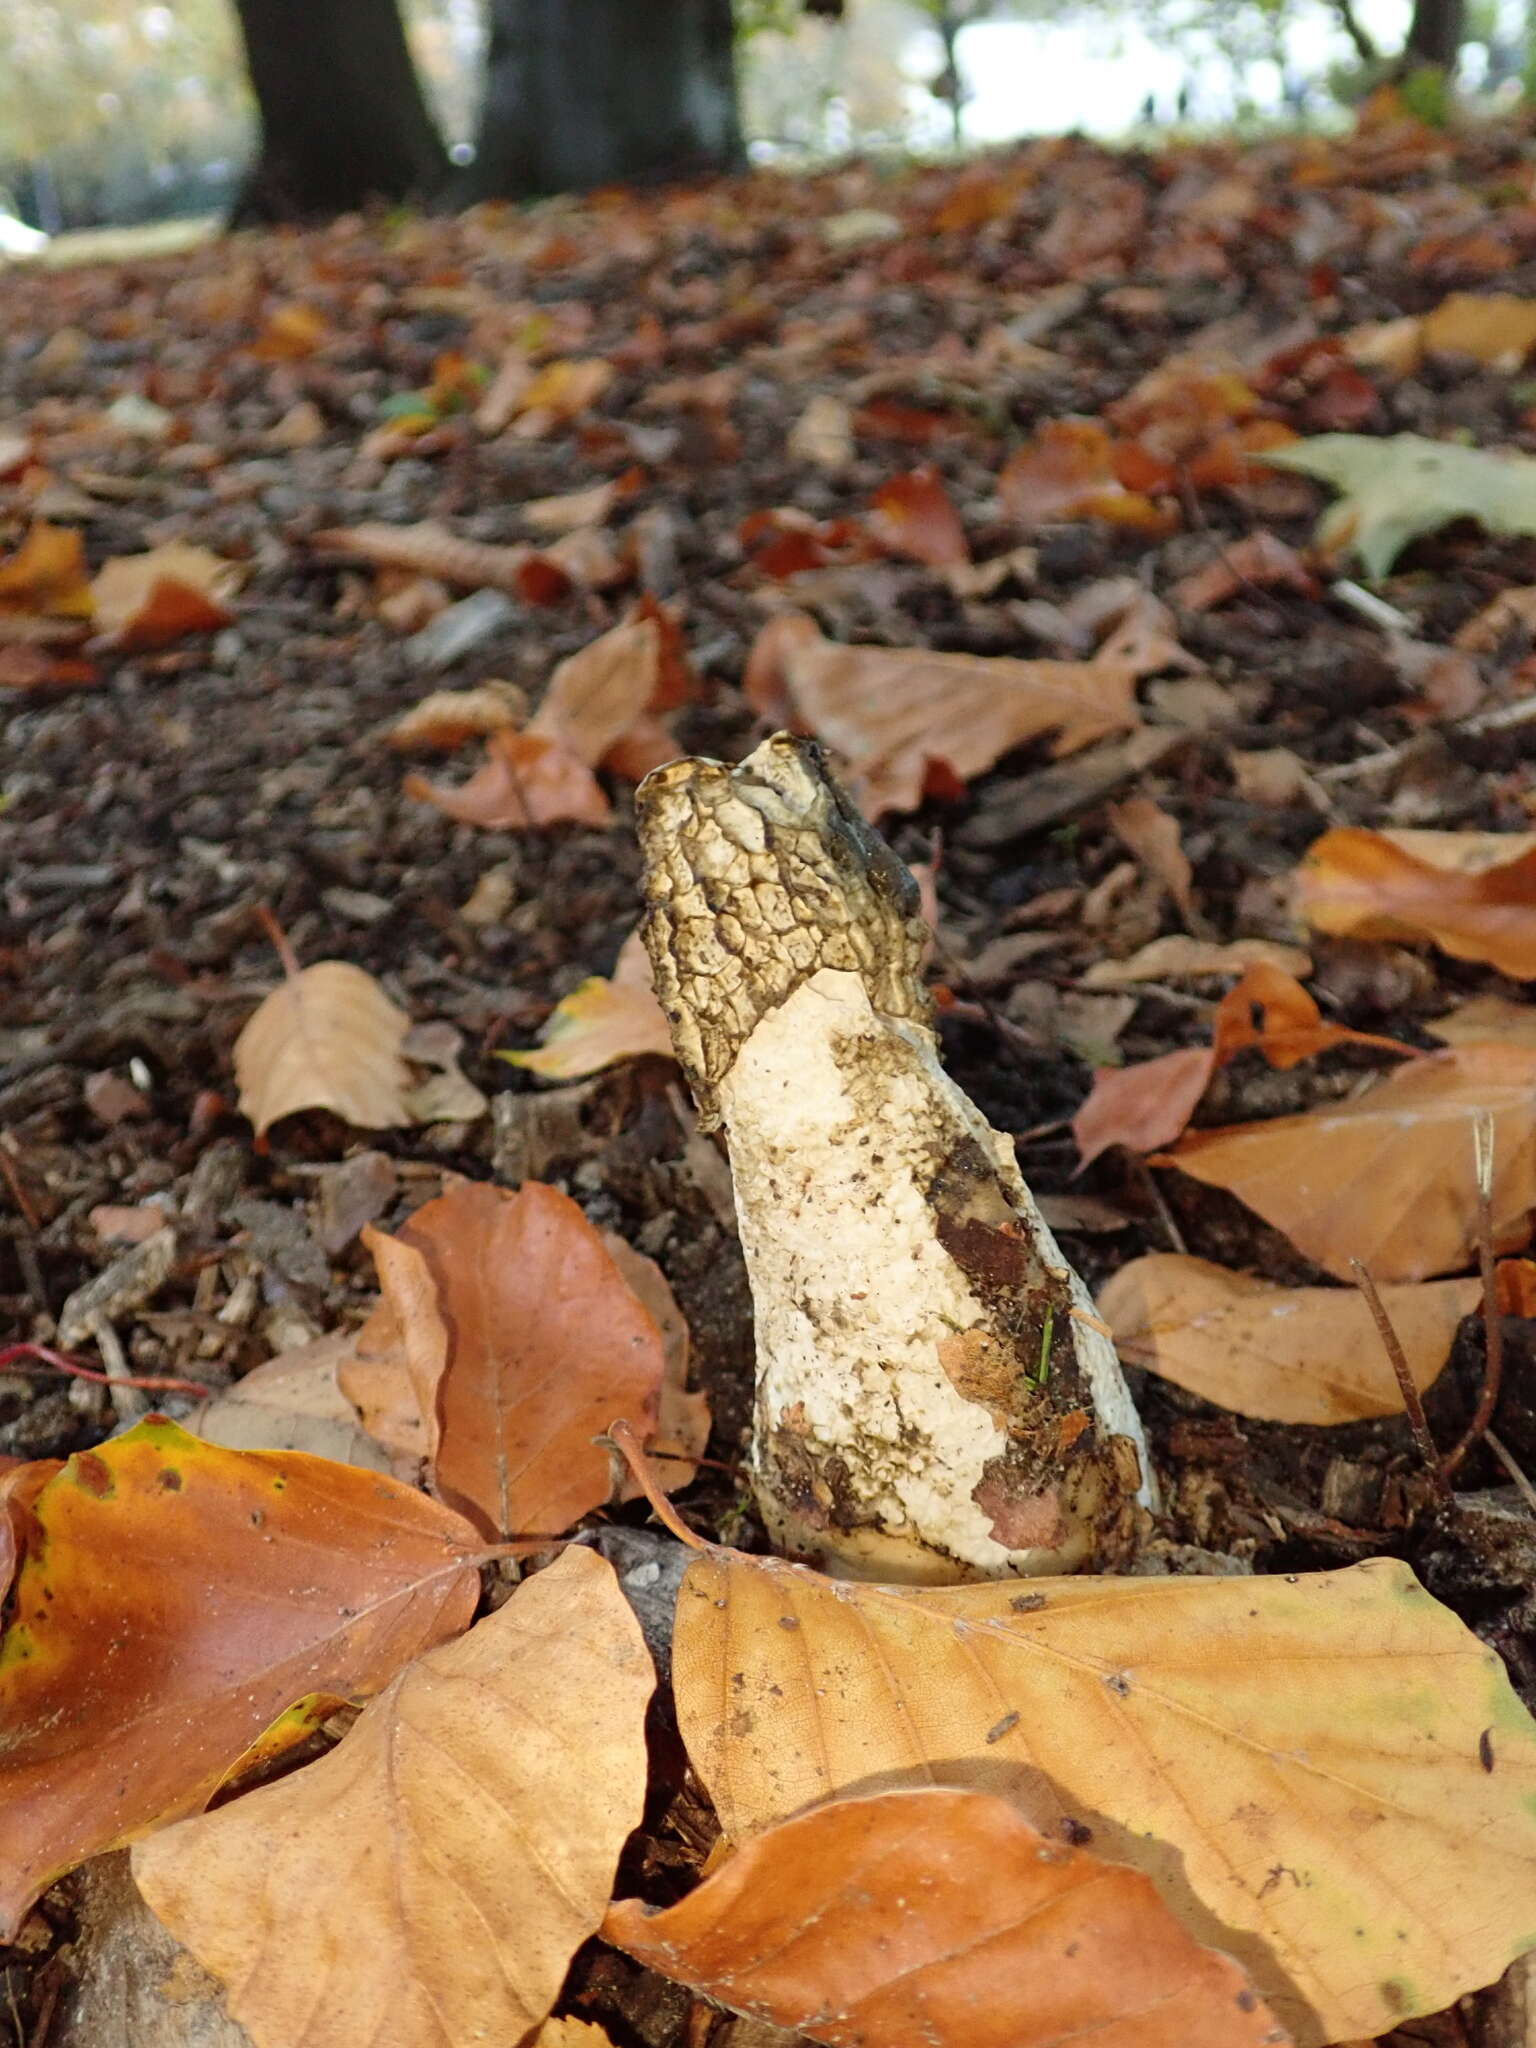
(542, 1343)
(1449, 887)
(901, 713)
(1280, 1354)
(1271, 1012)
(914, 515)
(34, 668)
(682, 1418)
(1493, 327)
(1144, 1105)
(177, 1598)
(943, 1917)
(291, 331)
(601, 1021)
(444, 719)
(1388, 1178)
(326, 1038)
(1260, 560)
(526, 780)
(1068, 472)
(428, 1881)
(1206, 1731)
(145, 601)
(47, 574)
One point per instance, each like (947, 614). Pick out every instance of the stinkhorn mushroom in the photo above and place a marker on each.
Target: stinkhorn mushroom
(935, 1399)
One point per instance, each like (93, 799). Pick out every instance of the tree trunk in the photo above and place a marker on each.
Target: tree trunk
(1435, 34)
(343, 119)
(598, 92)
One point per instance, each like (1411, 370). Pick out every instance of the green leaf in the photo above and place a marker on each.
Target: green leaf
(1396, 487)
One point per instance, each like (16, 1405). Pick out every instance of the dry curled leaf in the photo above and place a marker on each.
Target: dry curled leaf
(429, 1880)
(1472, 893)
(943, 1917)
(1259, 561)
(541, 1342)
(1388, 1178)
(1280, 1354)
(903, 715)
(599, 696)
(444, 719)
(526, 781)
(913, 515)
(324, 1039)
(327, 1038)
(1208, 1732)
(431, 551)
(46, 575)
(1177, 958)
(174, 1599)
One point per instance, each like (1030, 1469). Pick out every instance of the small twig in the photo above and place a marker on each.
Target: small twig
(1413, 1407)
(1522, 1485)
(1493, 1322)
(1368, 606)
(13, 1181)
(61, 1361)
(127, 1399)
(1521, 712)
(1142, 1174)
(279, 938)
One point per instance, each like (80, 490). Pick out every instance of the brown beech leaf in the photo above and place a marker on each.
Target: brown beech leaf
(429, 1880)
(1388, 1178)
(1178, 958)
(145, 601)
(543, 1343)
(902, 714)
(682, 1418)
(444, 719)
(1260, 560)
(602, 1020)
(1152, 835)
(1280, 1354)
(1472, 893)
(1144, 1105)
(1206, 1731)
(598, 696)
(1068, 471)
(1486, 1020)
(177, 1598)
(327, 1038)
(293, 1403)
(913, 515)
(943, 1917)
(526, 780)
(431, 550)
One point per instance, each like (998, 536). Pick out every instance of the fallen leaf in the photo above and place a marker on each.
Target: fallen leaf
(291, 331)
(1388, 1178)
(1269, 1012)
(913, 515)
(571, 509)
(545, 1345)
(1280, 1354)
(444, 719)
(683, 1419)
(431, 550)
(601, 1021)
(47, 574)
(1208, 1732)
(176, 1599)
(1152, 835)
(598, 696)
(900, 713)
(1068, 471)
(560, 392)
(526, 781)
(823, 434)
(1260, 561)
(1511, 612)
(1492, 327)
(326, 1038)
(293, 1403)
(1359, 884)
(863, 1924)
(429, 1880)
(1144, 1105)
(1178, 958)
(25, 667)
(1397, 487)
(1486, 1020)
(147, 601)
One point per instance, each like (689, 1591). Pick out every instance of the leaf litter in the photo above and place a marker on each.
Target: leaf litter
(1033, 517)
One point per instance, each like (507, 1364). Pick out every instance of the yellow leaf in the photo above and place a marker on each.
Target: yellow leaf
(1301, 1765)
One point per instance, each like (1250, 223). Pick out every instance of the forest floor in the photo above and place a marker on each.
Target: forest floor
(779, 392)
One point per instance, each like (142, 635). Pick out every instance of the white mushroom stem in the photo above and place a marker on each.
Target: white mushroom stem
(935, 1399)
